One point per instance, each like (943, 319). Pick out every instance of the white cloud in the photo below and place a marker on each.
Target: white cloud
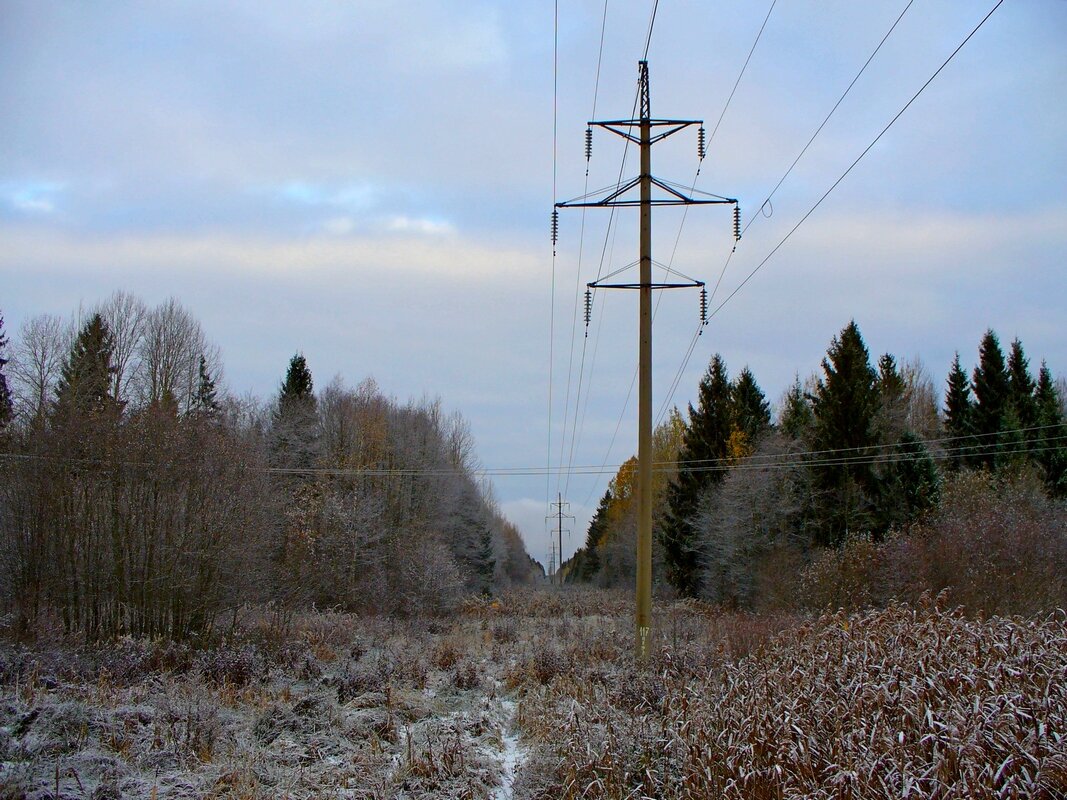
(402, 224)
(317, 257)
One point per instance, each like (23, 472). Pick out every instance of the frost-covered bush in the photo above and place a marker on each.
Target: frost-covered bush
(233, 666)
(999, 545)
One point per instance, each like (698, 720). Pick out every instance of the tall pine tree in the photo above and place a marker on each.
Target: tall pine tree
(844, 403)
(701, 463)
(992, 394)
(958, 414)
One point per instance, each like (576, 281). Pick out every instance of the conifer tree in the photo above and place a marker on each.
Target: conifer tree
(796, 418)
(911, 485)
(890, 382)
(891, 421)
(751, 411)
(992, 396)
(85, 381)
(958, 412)
(298, 385)
(206, 400)
(590, 563)
(485, 564)
(1051, 440)
(1021, 385)
(702, 461)
(844, 403)
(6, 408)
(295, 434)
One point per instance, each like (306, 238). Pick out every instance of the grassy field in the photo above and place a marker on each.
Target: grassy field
(534, 695)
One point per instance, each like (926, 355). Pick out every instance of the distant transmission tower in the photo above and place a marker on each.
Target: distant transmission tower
(558, 517)
(672, 195)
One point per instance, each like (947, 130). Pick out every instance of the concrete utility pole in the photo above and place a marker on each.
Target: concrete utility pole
(617, 198)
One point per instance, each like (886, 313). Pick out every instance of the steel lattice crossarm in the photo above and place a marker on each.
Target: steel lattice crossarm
(675, 197)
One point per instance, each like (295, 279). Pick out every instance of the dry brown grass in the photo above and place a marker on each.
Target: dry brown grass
(907, 701)
(911, 700)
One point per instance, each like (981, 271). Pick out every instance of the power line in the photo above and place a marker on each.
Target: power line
(741, 73)
(651, 23)
(854, 163)
(610, 231)
(578, 272)
(552, 288)
(822, 125)
(714, 292)
(951, 447)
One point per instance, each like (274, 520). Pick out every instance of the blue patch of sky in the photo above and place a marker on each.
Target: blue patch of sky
(29, 197)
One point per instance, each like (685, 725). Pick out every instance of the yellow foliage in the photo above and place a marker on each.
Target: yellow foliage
(737, 446)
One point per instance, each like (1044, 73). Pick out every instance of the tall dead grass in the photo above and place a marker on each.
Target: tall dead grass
(909, 701)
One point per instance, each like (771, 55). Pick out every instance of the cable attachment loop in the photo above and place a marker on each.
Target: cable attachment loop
(702, 149)
(555, 225)
(588, 143)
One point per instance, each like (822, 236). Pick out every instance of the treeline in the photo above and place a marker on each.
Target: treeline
(858, 481)
(137, 497)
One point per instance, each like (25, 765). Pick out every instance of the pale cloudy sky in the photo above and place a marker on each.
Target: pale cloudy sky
(370, 182)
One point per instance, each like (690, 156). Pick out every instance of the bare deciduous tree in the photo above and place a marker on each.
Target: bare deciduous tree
(169, 357)
(37, 360)
(125, 315)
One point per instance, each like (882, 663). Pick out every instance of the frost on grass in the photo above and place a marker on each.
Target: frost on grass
(905, 702)
(341, 708)
(536, 696)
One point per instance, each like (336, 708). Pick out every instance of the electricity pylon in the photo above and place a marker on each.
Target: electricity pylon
(559, 516)
(616, 198)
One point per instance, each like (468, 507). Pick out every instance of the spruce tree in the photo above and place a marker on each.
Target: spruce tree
(912, 484)
(206, 401)
(701, 463)
(751, 411)
(84, 387)
(485, 563)
(891, 422)
(1022, 405)
(958, 414)
(6, 408)
(295, 433)
(844, 403)
(992, 396)
(890, 382)
(1051, 441)
(298, 385)
(590, 563)
(796, 418)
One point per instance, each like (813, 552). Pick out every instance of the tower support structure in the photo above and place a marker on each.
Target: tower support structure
(649, 130)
